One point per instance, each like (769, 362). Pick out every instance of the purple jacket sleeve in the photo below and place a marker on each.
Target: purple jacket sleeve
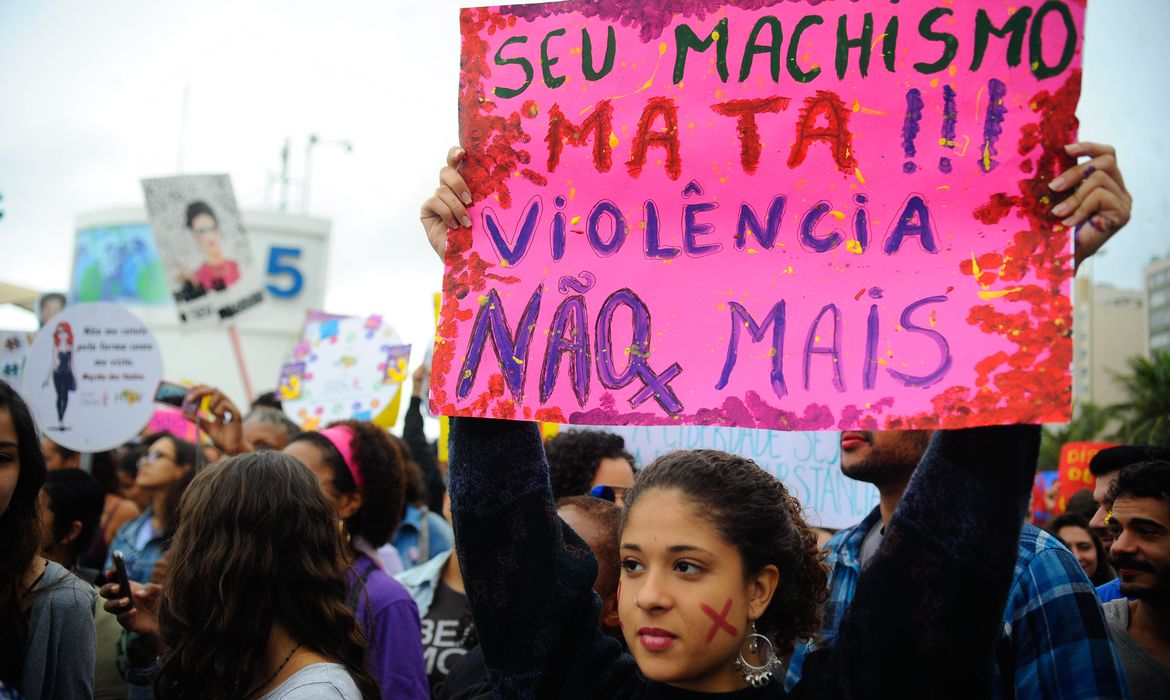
(394, 635)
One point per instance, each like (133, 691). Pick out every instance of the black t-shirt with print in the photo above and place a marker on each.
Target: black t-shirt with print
(443, 629)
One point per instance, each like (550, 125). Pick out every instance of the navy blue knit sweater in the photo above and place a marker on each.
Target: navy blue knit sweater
(922, 624)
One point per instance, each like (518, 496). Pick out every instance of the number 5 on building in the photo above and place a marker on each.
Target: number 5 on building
(280, 263)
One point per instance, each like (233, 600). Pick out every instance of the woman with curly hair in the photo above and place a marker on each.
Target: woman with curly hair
(720, 571)
(255, 605)
(361, 470)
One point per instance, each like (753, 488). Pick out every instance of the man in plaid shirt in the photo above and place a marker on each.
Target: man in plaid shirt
(1054, 642)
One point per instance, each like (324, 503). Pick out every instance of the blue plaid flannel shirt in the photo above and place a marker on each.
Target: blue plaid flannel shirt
(1054, 642)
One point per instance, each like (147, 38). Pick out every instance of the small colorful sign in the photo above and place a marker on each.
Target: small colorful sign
(13, 348)
(344, 367)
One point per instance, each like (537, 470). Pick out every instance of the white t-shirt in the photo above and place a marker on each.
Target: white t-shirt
(322, 680)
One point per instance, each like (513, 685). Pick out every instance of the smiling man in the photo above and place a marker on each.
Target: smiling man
(1052, 624)
(1105, 466)
(1140, 522)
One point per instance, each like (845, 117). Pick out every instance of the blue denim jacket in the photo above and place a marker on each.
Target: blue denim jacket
(422, 580)
(409, 536)
(139, 562)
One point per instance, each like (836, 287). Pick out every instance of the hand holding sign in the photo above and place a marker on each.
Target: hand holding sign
(446, 208)
(1098, 205)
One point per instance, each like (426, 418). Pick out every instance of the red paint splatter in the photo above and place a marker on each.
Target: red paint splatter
(493, 142)
(550, 415)
(1031, 382)
(720, 621)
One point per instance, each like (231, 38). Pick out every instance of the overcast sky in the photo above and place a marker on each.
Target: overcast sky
(93, 96)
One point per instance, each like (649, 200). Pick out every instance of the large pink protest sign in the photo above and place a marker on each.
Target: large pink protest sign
(767, 214)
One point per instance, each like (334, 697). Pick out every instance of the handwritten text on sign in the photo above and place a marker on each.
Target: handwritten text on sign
(809, 464)
(807, 216)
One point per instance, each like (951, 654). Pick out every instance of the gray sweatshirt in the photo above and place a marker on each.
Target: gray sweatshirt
(59, 657)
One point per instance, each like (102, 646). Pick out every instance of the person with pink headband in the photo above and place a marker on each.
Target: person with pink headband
(362, 472)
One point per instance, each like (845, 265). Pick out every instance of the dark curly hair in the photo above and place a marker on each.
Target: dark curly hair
(1148, 479)
(259, 545)
(753, 511)
(574, 455)
(20, 536)
(382, 467)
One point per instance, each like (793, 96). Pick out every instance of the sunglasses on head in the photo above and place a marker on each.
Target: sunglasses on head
(607, 493)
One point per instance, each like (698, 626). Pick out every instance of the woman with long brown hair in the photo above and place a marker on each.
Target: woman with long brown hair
(360, 469)
(255, 605)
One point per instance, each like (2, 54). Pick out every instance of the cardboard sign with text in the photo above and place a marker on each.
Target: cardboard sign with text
(809, 464)
(803, 216)
(1073, 471)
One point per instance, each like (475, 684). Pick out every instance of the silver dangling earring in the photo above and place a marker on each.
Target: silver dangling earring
(757, 676)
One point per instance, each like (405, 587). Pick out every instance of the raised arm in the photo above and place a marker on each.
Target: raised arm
(528, 576)
(924, 620)
(420, 447)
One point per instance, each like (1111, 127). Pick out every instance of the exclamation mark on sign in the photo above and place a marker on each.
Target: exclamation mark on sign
(993, 124)
(914, 106)
(950, 118)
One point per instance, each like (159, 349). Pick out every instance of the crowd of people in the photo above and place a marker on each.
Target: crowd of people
(347, 562)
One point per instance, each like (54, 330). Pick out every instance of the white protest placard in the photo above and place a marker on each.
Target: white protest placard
(204, 248)
(344, 367)
(90, 376)
(809, 464)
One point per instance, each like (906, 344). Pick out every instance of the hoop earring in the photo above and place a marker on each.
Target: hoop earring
(757, 676)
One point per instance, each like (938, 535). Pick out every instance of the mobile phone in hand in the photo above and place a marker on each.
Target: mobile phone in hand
(171, 394)
(123, 579)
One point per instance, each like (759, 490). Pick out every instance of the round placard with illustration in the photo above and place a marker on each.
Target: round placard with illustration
(90, 377)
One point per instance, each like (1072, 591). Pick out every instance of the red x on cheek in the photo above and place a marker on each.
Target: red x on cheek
(720, 621)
